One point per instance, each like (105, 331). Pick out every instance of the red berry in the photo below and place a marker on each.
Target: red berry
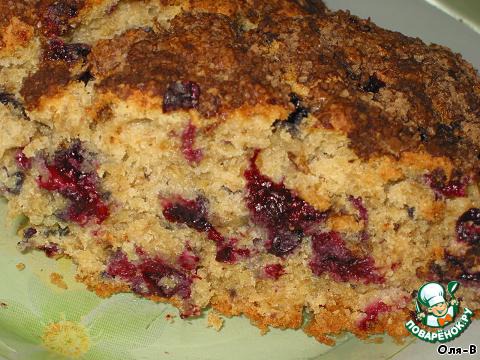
(188, 139)
(456, 187)
(331, 255)
(150, 276)
(284, 215)
(371, 314)
(468, 227)
(67, 175)
(194, 214)
(23, 162)
(274, 271)
(357, 202)
(58, 50)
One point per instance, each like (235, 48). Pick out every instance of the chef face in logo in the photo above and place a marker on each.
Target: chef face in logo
(439, 309)
(440, 312)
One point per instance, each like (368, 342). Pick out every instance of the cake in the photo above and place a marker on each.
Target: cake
(302, 167)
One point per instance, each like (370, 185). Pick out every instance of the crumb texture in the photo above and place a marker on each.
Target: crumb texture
(261, 158)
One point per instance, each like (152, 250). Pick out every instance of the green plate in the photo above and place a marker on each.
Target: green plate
(39, 320)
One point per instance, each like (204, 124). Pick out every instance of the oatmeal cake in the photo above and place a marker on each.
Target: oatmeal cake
(302, 167)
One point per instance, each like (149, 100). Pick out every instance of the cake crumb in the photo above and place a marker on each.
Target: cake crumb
(374, 340)
(214, 321)
(170, 318)
(57, 279)
(20, 266)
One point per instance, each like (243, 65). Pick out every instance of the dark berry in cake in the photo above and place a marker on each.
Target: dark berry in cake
(373, 84)
(181, 95)
(468, 227)
(456, 187)
(188, 260)
(58, 50)
(284, 215)
(150, 276)
(295, 117)
(51, 249)
(194, 214)
(331, 255)
(71, 175)
(163, 280)
(56, 16)
(17, 179)
(29, 233)
(229, 253)
(10, 99)
(119, 265)
(86, 77)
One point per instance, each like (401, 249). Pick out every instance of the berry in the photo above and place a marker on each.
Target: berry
(57, 50)
(188, 260)
(274, 271)
(150, 276)
(188, 139)
(284, 215)
(120, 266)
(300, 112)
(18, 178)
(357, 202)
(29, 233)
(86, 77)
(228, 253)
(294, 118)
(455, 267)
(373, 84)
(456, 187)
(468, 227)
(23, 162)
(163, 280)
(284, 242)
(181, 95)
(51, 249)
(331, 255)
(68, 175)
(6, 99)
(194, 214)
(55, 19)
(371, 314)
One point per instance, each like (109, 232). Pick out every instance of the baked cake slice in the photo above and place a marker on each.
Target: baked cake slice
(264, 158)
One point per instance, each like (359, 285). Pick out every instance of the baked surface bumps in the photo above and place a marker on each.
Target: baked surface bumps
(264, 158)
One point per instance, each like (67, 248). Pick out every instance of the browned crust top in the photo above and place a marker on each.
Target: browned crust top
(390, 93)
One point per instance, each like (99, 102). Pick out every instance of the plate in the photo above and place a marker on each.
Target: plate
(42, 321)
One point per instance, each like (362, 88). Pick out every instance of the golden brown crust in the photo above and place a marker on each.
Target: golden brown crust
(388, 92)
(328, 323)
(286, 318)
(47, 81)
(23, 10)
